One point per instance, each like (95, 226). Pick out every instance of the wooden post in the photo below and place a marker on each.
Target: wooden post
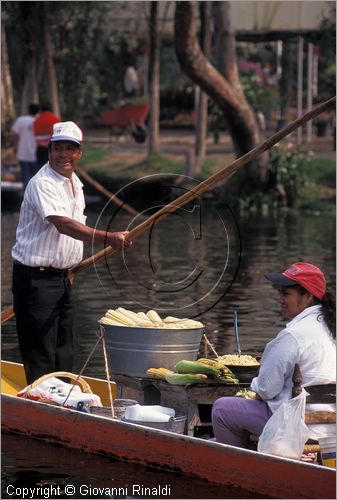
(299, 86)
(309, 88)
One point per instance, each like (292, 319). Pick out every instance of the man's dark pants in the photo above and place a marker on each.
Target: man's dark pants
(43, 308)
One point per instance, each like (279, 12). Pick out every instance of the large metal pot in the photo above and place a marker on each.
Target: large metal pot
(131, 351)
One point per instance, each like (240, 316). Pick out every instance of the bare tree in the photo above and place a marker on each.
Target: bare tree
(52, 77)
(8, 110)
(224, 88)
(154, 79)
(202, 102)
(30, 87)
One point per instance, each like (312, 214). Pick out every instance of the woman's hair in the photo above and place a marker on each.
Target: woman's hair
(328, 304)
(329, 312)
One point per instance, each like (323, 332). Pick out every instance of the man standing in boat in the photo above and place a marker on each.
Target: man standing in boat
(309, 340)
(49, 242)
(43, 129)
(24, 143)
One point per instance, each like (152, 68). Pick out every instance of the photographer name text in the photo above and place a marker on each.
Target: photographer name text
(84, 490)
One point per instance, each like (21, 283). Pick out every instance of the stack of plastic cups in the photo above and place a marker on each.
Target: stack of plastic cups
(328, 451)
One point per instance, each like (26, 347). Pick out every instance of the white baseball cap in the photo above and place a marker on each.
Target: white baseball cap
(67, 131)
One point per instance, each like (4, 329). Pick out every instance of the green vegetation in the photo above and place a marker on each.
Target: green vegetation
(156, 164)
(260, 97)
(320, 170)
(319, 190)
(325, 39)
(92, 156)
(296, 179)
(115, 174)
(99, 161)
(302, 181)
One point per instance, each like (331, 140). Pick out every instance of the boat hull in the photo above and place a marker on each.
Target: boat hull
(222, 464)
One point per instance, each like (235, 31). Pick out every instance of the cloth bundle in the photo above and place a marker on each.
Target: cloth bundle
(54, 390)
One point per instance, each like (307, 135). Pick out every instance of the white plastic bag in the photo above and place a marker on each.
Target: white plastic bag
(285, 433)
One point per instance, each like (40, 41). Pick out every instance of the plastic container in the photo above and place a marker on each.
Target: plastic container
(152, 413)
(120, 406)
(131, 350)
(175, 424)
(328, 451)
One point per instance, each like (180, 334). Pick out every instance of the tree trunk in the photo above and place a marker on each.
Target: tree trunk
(52, 78)
(8, 109)
(154, 80)
(225, 90)
(30, 88)
(286, 78)
(202, 107)
(224, 47)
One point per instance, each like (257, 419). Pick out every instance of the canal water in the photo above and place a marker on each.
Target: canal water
(204, 262)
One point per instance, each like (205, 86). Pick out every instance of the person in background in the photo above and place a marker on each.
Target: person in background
(24, 143)
(49, 242)
(309, 339)
(43, 129)
(131, 81)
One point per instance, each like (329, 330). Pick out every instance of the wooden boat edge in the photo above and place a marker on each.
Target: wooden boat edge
(195, 457)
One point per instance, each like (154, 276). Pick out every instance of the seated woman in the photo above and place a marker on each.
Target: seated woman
(308, 339)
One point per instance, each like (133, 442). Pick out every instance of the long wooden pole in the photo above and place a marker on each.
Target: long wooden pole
(199, 189)
(105, 192)
(209, 183)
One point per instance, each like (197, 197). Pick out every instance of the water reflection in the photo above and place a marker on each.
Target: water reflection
(92, 476)
(268, 243)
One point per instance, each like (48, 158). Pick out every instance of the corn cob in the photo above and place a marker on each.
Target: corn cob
(185, 366)
(107, 321)
(182, 323)
(143, 316)
(133, 317)
(216, 364)
(159, 373)
(228, 378)
(119, 318)
(225, 381)
(175, 326)
(186, 378)
(151, 319)
(191, 323)
(153, 316)
(209, 362)
(171, 319)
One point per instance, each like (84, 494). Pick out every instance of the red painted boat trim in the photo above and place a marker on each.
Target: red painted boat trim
(225, 465)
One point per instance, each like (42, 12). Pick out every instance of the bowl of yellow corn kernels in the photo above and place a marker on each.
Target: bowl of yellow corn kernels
(244, 367)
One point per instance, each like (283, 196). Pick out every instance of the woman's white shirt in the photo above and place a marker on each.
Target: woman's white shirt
(305, 340)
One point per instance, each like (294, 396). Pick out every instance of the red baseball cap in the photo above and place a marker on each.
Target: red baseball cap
(301, 273)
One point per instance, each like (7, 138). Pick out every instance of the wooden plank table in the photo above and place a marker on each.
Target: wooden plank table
(194, 401)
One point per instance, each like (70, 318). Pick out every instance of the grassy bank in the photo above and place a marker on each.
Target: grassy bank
(318, 191)
(309, 183)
